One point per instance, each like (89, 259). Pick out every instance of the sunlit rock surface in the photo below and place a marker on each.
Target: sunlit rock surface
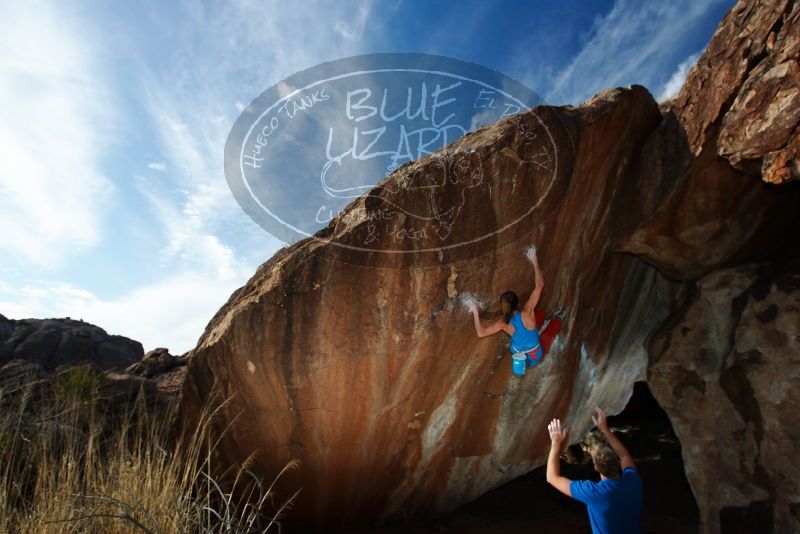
(374, 377)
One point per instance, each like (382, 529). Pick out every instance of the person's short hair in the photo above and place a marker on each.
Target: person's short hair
(606, 462)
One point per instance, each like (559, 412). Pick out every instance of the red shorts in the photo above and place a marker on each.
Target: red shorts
(534, 357)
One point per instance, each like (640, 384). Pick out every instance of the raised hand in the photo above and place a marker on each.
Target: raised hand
(472, 305)
(625, 458)
(599, 419)
(558, 433)
(531, 254)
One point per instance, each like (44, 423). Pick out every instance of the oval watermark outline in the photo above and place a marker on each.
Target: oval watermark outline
(332, 240)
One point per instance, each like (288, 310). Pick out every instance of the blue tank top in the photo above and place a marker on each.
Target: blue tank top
(523, 340)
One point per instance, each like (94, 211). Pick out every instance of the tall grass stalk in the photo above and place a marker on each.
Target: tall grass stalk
(71, 465)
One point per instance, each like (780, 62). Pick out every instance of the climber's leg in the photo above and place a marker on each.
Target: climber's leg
(549, 327)
(549, 334)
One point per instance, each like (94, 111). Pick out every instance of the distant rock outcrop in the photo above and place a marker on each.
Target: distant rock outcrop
(155, 362)
(65, 342)
(34, 353)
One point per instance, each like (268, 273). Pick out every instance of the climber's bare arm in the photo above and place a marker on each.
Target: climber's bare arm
(558, 435)
(486, 331)
(530, 306)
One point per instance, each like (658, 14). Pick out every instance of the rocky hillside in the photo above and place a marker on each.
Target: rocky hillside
(666, 231)
(52, 343)
(35, 353)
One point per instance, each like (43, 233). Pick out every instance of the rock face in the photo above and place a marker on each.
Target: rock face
(727, 370)
(722, 366)
(368, 369)
(749, 78)
(716, 136)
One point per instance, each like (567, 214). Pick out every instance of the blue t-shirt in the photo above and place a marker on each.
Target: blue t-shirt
(615, 504)
(523, 339)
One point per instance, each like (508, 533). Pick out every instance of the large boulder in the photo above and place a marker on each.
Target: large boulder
(727, 139)
(366, 367)
(374, 377)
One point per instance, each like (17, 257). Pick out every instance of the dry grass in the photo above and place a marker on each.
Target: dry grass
(72, 467)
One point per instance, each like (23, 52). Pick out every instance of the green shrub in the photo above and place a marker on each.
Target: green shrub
(77, 384)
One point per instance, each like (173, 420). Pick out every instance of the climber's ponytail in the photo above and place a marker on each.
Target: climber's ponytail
(509, 302)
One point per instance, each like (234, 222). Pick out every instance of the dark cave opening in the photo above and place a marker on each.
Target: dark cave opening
(529, 504)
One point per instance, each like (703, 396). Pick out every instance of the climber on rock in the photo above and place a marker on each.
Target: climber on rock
(614, 503)
(523, 324)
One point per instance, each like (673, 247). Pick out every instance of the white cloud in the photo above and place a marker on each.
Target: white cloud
(171, 312)
(628, 45)
(157, 166)
(352, 29)
(214, 55)
(189, 105)
(284, 89)
(675, 81)
(53, 195)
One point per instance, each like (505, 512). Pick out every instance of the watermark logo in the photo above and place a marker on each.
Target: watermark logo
(383, 155)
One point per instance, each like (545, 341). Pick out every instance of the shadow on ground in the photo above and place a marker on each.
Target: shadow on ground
(529, 504)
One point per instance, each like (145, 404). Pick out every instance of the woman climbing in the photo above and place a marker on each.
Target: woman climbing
(523, 324)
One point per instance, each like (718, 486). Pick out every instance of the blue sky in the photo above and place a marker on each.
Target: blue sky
(113, 203)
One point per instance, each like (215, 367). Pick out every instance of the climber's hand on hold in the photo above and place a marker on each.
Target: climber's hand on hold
(483, 331)
(558, 433)
(533, 300)
(599, 419)
(531, 255)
